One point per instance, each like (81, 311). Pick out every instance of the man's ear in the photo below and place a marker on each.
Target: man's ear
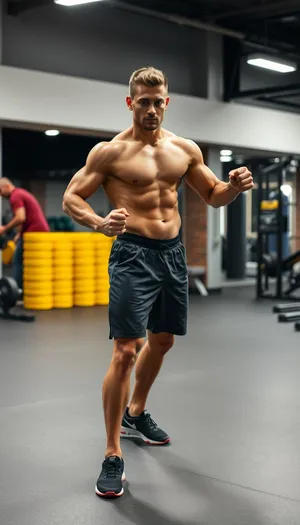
(167, 101)
(129, 103)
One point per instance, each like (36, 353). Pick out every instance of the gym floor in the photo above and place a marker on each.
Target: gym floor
(228, 394)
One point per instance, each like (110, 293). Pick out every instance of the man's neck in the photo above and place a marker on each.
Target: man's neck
(147, 137)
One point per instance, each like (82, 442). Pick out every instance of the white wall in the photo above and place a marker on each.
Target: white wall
(34, 98)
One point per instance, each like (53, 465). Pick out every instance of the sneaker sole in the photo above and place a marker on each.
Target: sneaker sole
(111, 494)
(131, 433)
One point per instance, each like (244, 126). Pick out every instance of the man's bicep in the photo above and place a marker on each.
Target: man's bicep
(85, 183)
(20, 213)
(199, 177)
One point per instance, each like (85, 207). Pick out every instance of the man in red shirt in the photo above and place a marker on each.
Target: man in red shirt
(28, 217)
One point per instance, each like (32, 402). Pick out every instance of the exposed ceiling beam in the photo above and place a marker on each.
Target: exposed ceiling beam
(14, 8)
(283, 103)
(267, 8)
(250, 93)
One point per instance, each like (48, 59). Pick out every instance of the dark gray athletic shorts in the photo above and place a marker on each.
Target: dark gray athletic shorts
(148, 287)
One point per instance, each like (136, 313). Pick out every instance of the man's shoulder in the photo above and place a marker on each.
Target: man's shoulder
(16, 194)
(106, 152)
(188, 145)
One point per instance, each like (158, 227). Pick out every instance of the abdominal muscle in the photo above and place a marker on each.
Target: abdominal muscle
(153, 211)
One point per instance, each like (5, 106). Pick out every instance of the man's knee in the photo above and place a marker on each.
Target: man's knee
(125, 352)
(162, 342)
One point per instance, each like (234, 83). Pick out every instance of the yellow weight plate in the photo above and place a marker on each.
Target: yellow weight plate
(61, 301)
(101, 285)
(63, 263)
(38, 285)
(36, 303)
(37, 266)
(101, 269)
(102, 295)
(62, 252)
(88, 298)
(62, 290)
(29, 236)
(84, 287)
(8, 252)
(66, 271)
(83, 274)
(40, 257)
(34, 274)
(34, 294)
(80, 261)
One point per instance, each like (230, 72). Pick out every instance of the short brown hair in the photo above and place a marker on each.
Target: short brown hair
(147, 76)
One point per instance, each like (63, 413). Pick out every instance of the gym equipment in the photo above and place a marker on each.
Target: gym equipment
(272, 224)
(269, 267)
(9, 295)
(284, 308)
(289, 317)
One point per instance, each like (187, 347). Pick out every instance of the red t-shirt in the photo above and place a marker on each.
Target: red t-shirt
(35, 218)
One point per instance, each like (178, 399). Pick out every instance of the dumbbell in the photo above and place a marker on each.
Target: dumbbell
(9, 296)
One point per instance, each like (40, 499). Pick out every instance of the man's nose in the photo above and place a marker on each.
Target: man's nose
(151, 111)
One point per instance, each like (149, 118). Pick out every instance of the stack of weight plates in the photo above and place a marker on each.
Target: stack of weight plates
(84, 269)
(103, 249)
(38, 271)
(63, 270)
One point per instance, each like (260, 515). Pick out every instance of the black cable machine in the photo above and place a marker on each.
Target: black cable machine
(270, 221)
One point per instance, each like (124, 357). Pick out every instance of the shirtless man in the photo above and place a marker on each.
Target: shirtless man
(140, 171)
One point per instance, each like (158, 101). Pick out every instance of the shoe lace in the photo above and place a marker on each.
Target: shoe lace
(150, 421)
(111, 469)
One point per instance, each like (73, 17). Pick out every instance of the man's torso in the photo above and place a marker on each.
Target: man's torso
(144, 179)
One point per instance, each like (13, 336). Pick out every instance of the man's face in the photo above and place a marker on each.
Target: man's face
(4, 190)
(149, 105)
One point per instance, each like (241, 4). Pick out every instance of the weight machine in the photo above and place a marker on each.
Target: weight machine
(272, 223)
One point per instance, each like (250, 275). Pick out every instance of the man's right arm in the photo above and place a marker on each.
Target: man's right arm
(85, 183)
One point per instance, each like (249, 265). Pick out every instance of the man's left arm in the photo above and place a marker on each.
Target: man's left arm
(18, 219)
(215, 192)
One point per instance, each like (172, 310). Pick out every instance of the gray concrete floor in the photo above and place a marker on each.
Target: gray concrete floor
(228, 395)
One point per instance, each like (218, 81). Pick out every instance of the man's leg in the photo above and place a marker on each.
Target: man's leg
(115, 393)
(116, 389)
(136, 421)
(148, 365)
(18, 264)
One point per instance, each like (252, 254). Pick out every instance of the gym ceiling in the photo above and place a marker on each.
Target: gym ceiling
(248, 26)
(271, 27)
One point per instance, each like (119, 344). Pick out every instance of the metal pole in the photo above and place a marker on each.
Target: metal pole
(259, 291)
(279, 234)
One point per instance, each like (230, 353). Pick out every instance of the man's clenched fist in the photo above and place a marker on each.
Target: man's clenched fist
(241, 179)
(114, 223)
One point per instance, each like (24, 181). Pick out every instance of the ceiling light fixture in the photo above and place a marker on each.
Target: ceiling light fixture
(70, 3)
(226, 158)
(52, 132)
(225, 152)
(271, 63)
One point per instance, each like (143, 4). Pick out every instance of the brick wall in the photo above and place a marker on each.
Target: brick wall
(297, 247)
(195, 227)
